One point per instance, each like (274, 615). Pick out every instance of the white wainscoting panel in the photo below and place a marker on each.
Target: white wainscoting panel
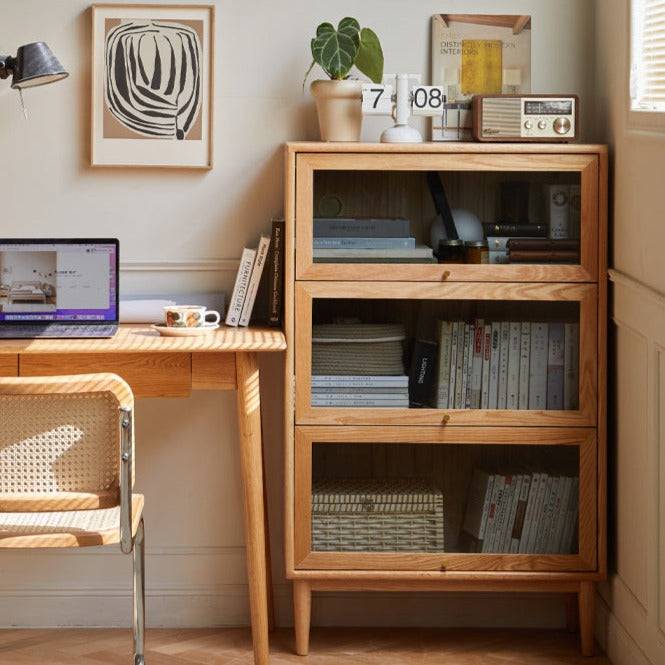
(632, 604)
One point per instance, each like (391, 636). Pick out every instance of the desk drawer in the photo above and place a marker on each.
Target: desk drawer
(148, 374)
(9, 365)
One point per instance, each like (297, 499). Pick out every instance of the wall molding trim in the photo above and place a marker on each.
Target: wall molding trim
(184, 265)
(615, 640)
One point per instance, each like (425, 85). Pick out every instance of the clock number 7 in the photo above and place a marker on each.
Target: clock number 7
(379, 93)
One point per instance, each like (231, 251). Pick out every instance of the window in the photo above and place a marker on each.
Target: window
(647, 80)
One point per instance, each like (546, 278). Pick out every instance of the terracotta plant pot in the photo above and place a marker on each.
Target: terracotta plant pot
(339, 106)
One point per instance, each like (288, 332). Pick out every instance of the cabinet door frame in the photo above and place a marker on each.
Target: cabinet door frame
(585, 560)
(585, 164)
(585, 294)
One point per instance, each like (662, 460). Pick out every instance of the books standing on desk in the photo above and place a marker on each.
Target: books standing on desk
(249, 274)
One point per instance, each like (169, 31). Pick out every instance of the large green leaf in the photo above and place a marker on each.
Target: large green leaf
(370, 56)
(336, 50)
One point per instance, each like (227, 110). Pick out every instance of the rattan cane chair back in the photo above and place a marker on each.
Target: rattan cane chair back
(60, 442)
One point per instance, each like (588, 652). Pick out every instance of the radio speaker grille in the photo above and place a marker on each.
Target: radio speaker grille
(502, 117)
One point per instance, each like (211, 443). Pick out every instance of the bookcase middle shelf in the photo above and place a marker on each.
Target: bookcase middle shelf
(367, 347)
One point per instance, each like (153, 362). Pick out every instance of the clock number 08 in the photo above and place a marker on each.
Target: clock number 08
(428, 99)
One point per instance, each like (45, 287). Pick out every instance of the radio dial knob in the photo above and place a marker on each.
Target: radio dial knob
(542, 124)
(528, 124)
(562, 125)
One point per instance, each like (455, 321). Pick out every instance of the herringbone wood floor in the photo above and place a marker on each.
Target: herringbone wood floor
(330, 646)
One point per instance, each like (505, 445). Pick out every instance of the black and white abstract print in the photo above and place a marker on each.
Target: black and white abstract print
(153, 77)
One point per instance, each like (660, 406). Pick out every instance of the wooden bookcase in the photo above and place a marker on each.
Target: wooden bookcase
(387, 180)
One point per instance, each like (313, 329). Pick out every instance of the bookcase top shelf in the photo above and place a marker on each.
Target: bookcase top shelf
(447, 148)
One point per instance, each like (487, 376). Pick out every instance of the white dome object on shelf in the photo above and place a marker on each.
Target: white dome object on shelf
(467, 224)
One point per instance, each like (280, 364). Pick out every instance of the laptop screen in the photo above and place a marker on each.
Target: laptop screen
(58, 280)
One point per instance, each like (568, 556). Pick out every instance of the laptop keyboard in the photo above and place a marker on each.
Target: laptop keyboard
(58, 330)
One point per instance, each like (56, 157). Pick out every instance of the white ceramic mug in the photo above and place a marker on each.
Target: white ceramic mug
(190, 316)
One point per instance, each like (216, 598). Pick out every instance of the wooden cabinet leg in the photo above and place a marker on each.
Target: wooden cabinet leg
(271, 596)
(587, 598)
(251, 469)
(302, 612)
(572, 613)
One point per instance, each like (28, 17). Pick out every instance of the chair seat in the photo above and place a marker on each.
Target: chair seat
(72, 528)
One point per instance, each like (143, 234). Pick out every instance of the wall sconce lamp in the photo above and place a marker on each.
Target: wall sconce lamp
(33, 65)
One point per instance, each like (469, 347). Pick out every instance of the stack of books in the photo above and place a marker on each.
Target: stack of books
(367, 240)
(508, 365)
(359, 365)
(521, 513)
(542, 250)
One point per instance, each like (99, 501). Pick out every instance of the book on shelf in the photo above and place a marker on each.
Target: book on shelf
(398, 403)
(254, 280)
(538, 376)
(240, 288)
(575, 210)
(485, 377)
(417, 252)
(361, 227)
(513, 385)
(509, 229)
(542, 256)
(571, 366)
(359, 381)
(542, 245)
(478, 504)
(525, 357)
(555, 366)
(276, 274)
(465, 397)
(476, 367)
(422, 377)
(364, 243)
(520, 512)
(504, 353)
(495, 357)
(494, 507)
(445, 361)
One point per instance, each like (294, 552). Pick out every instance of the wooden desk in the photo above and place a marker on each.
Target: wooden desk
(157, 366)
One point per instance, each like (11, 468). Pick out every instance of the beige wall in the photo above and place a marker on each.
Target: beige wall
(182, 232)
(632, 617)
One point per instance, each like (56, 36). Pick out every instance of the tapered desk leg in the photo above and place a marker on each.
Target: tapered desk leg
(251, 466)
(271, 597)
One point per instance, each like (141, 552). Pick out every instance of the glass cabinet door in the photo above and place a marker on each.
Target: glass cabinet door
(455, 217)
(457, 354)
(427, 498)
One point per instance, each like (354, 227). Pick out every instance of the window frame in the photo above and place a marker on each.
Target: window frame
(639, 118)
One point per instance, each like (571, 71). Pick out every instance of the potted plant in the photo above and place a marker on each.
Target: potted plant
(338, 100)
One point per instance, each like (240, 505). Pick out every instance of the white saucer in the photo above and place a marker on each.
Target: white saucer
(166, 331)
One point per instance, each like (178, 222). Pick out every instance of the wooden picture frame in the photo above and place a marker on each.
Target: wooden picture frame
(147, 58)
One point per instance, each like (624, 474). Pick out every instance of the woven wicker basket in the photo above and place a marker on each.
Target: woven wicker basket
(377, 516)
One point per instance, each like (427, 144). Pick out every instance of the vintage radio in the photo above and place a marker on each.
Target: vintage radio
(539, 118)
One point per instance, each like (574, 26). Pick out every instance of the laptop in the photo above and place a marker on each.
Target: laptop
(58, 288)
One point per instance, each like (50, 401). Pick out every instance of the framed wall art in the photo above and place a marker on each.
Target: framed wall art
(152, 85)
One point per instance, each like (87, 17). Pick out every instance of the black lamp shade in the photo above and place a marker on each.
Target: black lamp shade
(36, 65)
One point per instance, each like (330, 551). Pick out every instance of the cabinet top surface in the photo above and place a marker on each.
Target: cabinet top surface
(141, 338)
(446, 148)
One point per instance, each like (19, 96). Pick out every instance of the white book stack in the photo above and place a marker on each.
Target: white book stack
(525, 513)
(358, 365)
(508, 365)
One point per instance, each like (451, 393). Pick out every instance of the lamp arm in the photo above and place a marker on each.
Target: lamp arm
(6, 66)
